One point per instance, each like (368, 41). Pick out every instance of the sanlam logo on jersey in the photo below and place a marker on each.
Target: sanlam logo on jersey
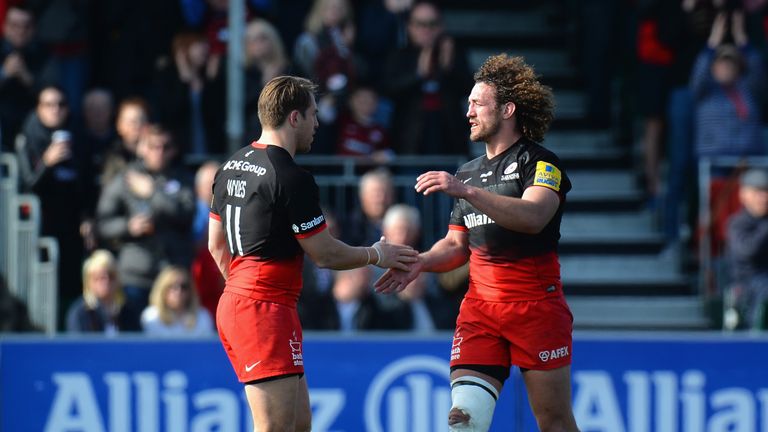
(245, 166)
(473, 220)
(306, 226)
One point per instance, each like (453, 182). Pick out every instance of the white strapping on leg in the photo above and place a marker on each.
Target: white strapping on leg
(476, 397)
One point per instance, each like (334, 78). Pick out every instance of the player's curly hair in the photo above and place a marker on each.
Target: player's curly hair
(516, 82)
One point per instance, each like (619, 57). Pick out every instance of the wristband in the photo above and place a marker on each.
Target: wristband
(378, 252)
(368, 252)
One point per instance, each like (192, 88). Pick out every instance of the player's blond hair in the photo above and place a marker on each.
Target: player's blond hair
(516, 82)
(280, 96)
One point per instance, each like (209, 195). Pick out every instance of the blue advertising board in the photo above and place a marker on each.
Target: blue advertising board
(393, 383)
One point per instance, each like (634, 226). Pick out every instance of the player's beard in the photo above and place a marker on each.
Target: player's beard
(486, 131)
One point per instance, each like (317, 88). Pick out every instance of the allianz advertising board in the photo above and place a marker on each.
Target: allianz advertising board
(393, 383)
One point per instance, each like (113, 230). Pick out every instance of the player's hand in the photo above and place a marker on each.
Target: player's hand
(394, 256)
(395, 280)
(440, 181)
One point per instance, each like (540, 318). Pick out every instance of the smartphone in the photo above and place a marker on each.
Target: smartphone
(61, 135)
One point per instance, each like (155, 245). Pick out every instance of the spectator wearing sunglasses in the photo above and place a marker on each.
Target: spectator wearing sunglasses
(174, 309)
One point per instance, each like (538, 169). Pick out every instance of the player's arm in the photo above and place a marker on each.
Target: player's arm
(448, 253)
(528, 214)
(217, 245)
(329, 252)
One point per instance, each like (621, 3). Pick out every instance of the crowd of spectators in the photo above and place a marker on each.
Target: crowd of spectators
(106, 103)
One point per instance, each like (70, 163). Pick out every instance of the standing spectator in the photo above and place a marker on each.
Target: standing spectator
(747, 253)
(654, 61)
(174, 309)
(62, 25)
(126, 40)
(146, 214)
(132, 118)
(324, 52)
(189, 96)
(683, 27)
(265, 58)
(205, 274)
(323, 27)
(376, 192)
(727, 85)
(21, 65)
(50, 155)
(102, 308)
(212, 17)
(381, 28)
(98, 136)
(359, 133)
(428, 81)
(727, 82)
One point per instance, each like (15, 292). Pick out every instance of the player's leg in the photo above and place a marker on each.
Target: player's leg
(473, 398)
(479, 366)
(273, 403)
(303, 411)
(549, 393)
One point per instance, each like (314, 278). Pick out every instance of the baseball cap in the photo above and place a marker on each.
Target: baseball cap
(756, 178)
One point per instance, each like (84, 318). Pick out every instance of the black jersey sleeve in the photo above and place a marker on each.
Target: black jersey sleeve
(302, 200)
(545, 169)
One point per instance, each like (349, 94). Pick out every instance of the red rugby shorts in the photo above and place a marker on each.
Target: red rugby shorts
(261, 339)
(533, 335)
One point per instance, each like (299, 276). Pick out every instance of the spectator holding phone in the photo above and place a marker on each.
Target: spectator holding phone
(50, 158)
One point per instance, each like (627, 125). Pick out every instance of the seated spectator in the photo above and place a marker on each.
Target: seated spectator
(376, 194)
(174, 309)
(747, 254)
(102, 308)
(359, 134)
(351, 306)
(14, 316)
(22, 64)
(189, 96)
(205, 273)
(428, 80)
(265, 58)
(132, 118)
(427, 307)
(50, 156)
(146, 214)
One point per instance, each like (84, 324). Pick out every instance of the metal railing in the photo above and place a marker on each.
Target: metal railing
(338, 178)
(9, 174)
(29, 262)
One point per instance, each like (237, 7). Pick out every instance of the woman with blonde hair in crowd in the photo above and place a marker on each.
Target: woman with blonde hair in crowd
(174, 309)
(265, 58)
(102, 308)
